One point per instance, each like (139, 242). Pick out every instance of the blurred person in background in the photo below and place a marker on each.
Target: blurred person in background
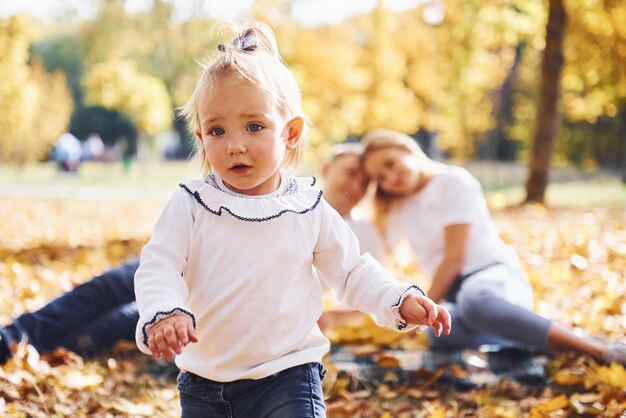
(67, 153)
(345, 185)
(440, 209)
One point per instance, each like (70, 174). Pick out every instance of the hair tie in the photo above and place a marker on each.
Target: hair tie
(248, 41)
(245, 42)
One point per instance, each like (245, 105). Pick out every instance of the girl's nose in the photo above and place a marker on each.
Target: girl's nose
(236, 146)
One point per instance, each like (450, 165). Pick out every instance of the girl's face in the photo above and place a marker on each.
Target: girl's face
(244, 136)
(396, 170)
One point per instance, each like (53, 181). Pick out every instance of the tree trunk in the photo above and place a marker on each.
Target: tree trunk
(500, 146)
(547, 113)
(622, 141)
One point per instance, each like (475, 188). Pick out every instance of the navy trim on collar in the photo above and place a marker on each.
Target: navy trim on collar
(221, 209)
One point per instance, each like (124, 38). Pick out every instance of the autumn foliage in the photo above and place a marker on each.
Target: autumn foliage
(576, 260)
(467, 76)
(35, 105)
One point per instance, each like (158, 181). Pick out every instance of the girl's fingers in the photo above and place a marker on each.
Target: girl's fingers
(171, 340)
(431, 310)
(153, 347)
(161, 344)
(437, 327)
(191, 333)
(446, 320)
(169, 354)
(157, 344)
(181, 334)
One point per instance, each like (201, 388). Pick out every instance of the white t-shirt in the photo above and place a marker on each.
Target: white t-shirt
(452, 196)
(243, 268)
(369, 238)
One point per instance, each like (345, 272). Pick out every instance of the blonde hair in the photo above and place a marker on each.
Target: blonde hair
(253, 56)
(384, 202)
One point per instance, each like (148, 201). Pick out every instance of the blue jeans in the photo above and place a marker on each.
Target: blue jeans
(89, 318)
(294, 392)
(493, 306)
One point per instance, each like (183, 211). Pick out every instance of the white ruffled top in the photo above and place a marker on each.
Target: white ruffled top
(294, 195)
(247, 270)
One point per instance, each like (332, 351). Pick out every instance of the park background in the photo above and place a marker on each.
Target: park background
(529, 95)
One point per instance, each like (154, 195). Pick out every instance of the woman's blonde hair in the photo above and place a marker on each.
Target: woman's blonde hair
(377, 139)
(253, 56)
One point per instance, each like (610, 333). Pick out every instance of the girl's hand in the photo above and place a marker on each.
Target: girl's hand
(168, 336)
(417, 309)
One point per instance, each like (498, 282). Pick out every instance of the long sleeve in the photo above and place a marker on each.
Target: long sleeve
(159, 284)
(359, 280)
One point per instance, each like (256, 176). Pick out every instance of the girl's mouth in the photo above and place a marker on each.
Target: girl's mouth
(240, 168)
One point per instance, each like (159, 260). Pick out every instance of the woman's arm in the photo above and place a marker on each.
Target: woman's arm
(455, 246)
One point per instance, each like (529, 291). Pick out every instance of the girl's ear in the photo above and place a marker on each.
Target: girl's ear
(294, 131)
(199, 136)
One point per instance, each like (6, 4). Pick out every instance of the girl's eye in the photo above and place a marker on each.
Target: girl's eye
(255, 127)
(217, 132)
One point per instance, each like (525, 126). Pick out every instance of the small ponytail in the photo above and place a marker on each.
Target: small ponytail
(251, 38)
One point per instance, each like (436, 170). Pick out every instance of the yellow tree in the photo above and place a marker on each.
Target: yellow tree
(401, 71)
(391, 100)
(461, 63)
(594, 76)
(594, 81)
(162, 46)
(112, 35)
(120, 86)
(35, 106)
(327, 67)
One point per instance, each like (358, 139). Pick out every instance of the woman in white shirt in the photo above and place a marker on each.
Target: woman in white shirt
(440, 209)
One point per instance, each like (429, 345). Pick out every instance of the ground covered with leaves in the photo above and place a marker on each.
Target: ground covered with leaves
(576, 260)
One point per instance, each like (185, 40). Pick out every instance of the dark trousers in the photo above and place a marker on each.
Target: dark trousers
(89, 318)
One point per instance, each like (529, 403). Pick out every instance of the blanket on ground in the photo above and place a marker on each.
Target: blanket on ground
(463, 370)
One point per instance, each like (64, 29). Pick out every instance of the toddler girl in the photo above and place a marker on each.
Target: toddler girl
(234, 261)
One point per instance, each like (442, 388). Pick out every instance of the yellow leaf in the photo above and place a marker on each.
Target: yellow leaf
(552, 405)
(567, 378)
(439, 413)
(131, 408)
(77, 380)
(614, 375)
